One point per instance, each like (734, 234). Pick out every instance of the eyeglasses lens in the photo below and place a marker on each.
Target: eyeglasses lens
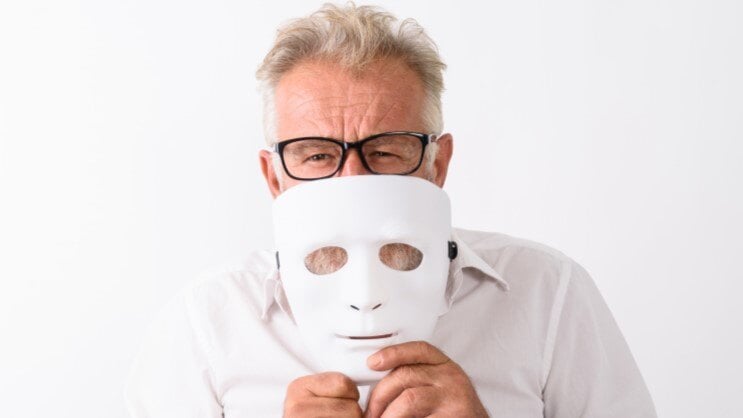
(394, 154)
(312, 158)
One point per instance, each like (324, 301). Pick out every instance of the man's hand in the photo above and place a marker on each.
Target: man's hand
(322, 395)
(424, 382)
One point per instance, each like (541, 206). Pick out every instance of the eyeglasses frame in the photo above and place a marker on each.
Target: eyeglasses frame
(345, 146)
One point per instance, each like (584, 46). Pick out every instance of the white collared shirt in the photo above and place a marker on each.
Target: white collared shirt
(527, 325)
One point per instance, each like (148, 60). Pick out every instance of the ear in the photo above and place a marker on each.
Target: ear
(266, 159)
(443, 156)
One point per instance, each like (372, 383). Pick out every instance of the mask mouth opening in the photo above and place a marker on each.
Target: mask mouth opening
(367, 337)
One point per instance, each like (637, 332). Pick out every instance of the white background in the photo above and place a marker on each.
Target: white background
(129, 133)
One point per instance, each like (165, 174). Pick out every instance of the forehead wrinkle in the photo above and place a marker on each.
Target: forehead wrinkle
(373, 117)
(315, 117)
(301, 104)
(390, 104)
(352, 120)
(382, 117)
(385, 99)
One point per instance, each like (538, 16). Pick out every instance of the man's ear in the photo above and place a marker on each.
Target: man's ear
(266, 159)
(443, 156)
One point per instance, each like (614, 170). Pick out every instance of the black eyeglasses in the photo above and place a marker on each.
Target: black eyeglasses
(314, 158)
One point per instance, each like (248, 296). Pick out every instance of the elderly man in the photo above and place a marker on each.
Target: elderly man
(528, 334)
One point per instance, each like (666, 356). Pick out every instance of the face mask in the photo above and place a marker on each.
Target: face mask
(364, 263)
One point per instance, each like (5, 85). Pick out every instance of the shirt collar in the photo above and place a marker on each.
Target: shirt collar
(273, 293)
(468, 258)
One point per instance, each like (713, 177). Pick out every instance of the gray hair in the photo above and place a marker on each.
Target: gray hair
(353, 36)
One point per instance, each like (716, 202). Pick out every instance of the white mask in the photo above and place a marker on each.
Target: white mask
(349, 250)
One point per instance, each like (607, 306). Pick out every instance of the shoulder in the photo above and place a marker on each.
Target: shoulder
(181, 354)
(238, 285)
(518, 260)
(485, 242)
(211, 301)
(240, 281)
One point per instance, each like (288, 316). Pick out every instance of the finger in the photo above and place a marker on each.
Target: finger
(414, 402)
(394, 384)
(328, 385)
(414, 352)
(323, 407)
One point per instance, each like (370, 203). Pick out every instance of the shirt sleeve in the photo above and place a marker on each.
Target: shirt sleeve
(592, 372)
(171, 376)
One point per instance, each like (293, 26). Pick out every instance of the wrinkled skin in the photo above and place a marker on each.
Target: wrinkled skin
(424, 382)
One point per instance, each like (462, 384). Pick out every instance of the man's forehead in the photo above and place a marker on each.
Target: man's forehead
(298, 101)
(322, 98)
(383, 70)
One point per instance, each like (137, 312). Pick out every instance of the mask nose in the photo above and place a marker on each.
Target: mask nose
(364, 290)
(366, 308)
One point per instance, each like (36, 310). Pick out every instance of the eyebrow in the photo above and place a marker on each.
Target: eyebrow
(300, 145)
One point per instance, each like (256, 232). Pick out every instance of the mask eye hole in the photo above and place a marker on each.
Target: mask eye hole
(401, 257)
(326, 260)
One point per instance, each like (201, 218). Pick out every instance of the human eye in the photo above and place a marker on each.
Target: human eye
(390, 150)
(312, 153)
(381, 154)
(318, 157)
(383, 150)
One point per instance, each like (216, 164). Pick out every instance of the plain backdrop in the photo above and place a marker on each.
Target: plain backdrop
(129, 132)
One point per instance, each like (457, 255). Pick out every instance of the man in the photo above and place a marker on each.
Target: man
(527, 335)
